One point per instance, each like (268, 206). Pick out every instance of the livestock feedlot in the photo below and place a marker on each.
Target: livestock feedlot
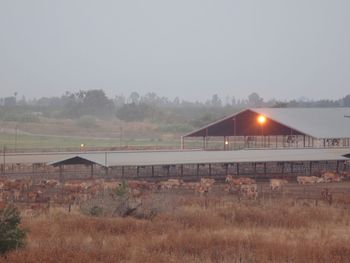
(80, 217)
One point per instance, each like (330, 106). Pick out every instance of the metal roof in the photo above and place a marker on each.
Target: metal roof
(205, 157)
(322, 123)
(316, 122)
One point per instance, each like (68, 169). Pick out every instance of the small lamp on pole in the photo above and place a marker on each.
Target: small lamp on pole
(262, 121)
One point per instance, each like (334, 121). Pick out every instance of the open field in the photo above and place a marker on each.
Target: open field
(63, 133)
(53, 142)
(193, 229)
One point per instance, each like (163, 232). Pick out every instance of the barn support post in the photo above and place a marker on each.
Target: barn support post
(283, 168)
(254, 165)
(276, 141)
(197, 170)
(292, 167)
(265, 169)
(226, 169)
(337, 166)
(182, 170)
(61, 179)
(304, 141)
(237, 167)
(152, 167)
(137, 171)
(123, 171)
(310, 167)
(92, 170)
(209, 169)
(33, 169)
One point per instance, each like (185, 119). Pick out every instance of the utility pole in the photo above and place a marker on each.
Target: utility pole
(121, 136)
(16, 134)
(4, 159)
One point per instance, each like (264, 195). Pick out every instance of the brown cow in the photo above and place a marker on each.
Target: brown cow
(34, 196)
(171, 184)
(307, 179)
(249, 191)
(191, 185)
(277, 184)
(141, 185)
(112, 185)
(239, 181)
(18, 184)
(331, 177)
(205, 185)
(49, 183)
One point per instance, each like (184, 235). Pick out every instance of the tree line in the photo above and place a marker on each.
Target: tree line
(137, 107)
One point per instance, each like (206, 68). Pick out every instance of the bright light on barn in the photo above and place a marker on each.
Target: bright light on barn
(261, 119)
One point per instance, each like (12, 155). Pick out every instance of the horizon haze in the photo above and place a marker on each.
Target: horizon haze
(189, 49)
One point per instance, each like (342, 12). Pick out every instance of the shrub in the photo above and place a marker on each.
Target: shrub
(11, 236)
(122, 190)
(96, 211)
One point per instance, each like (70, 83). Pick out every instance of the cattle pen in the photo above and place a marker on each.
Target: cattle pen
(259, 163)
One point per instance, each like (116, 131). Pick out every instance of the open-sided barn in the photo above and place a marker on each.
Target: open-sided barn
(276, 128)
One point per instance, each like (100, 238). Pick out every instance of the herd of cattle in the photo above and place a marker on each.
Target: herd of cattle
(50, 192)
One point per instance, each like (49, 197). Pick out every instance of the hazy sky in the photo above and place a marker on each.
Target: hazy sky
(186, 48)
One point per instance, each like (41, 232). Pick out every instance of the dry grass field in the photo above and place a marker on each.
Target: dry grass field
(194, 229)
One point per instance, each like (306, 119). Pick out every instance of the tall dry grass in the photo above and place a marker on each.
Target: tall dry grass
(197, 230)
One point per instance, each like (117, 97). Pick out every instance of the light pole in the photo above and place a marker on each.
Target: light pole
(262, 121)
(226, 144)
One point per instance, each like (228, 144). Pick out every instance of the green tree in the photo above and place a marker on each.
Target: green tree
(346, 100)
(255, 100)
(11, 236)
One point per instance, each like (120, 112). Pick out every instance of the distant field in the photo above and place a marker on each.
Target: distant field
(58, 142)
(66, 133)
